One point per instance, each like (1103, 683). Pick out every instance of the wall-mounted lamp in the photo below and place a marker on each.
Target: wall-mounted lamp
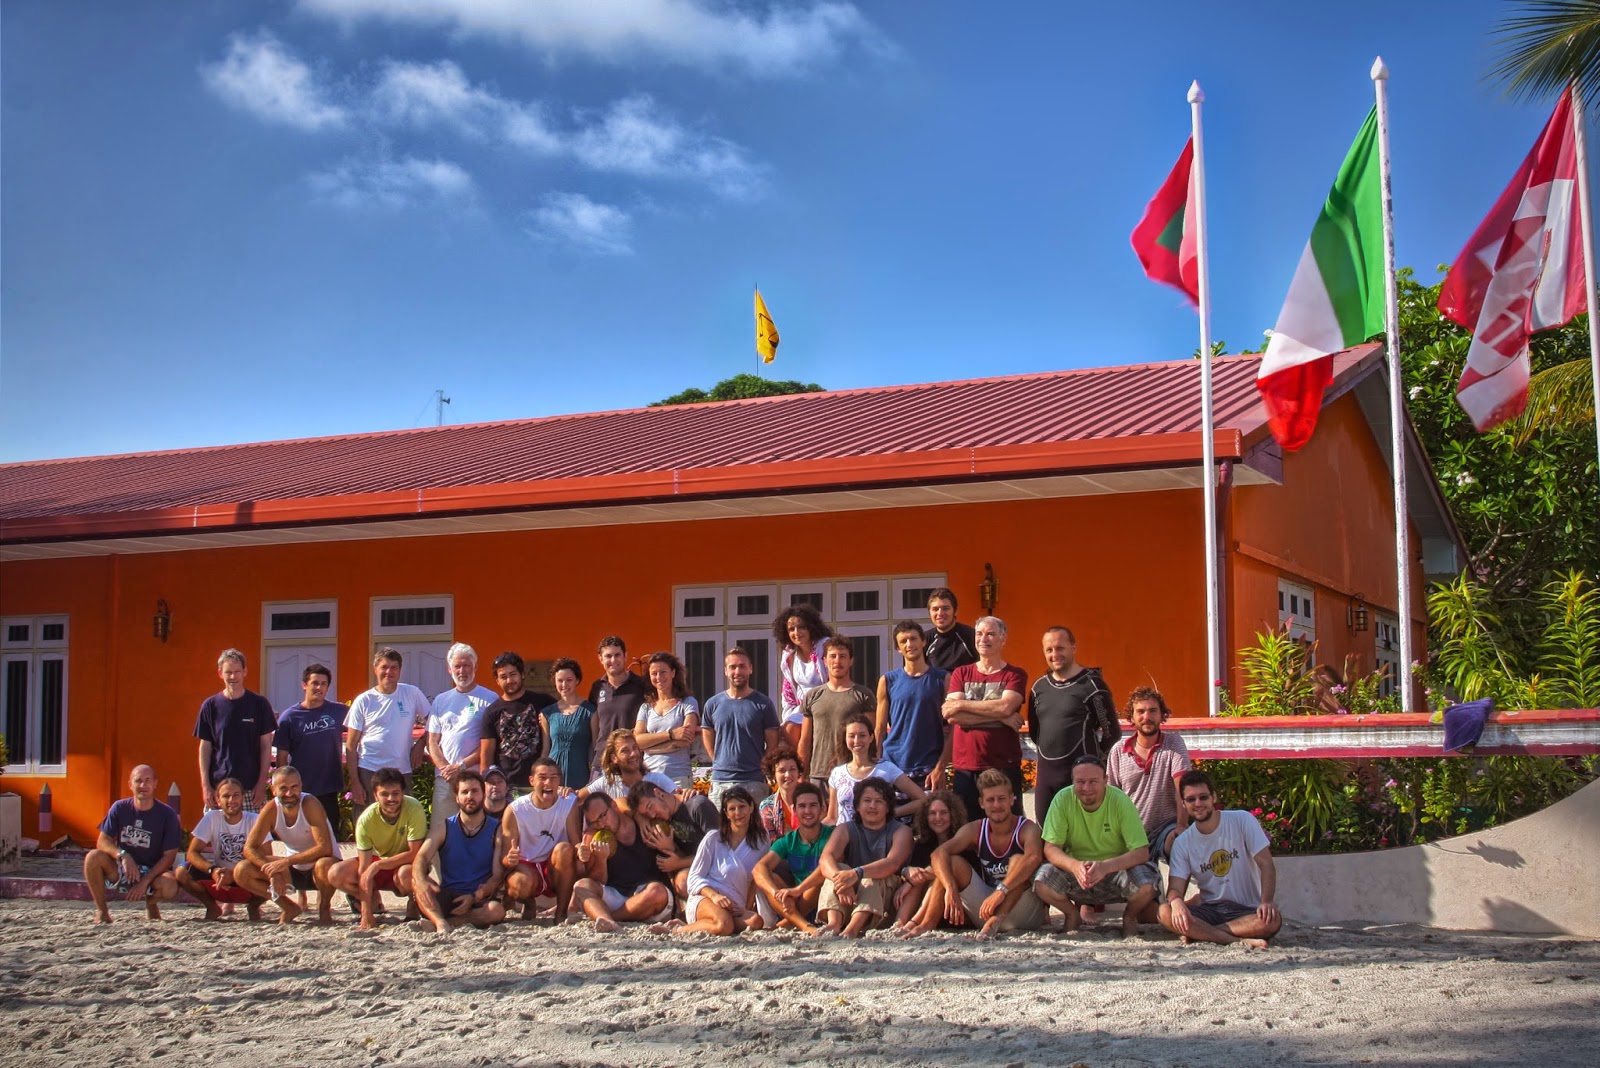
(163, 620)
(988, 590)
(1355, 614)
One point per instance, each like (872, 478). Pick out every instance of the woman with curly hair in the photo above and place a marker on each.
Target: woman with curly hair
(920, 899)
(783, 771)
(802, 636)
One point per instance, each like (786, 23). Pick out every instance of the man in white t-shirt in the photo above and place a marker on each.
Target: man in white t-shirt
(536, 850)
(216, 846)
(379, 727)
(1228, 856)
(455, 729)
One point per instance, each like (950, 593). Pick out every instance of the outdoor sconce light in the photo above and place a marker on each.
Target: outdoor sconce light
(163, 620)
(988, 590)
(1355, 615)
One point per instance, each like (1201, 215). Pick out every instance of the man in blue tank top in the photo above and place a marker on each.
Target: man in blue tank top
(469, 863)
(911, 727)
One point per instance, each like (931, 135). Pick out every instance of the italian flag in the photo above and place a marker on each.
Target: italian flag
(1165, 239)
(1336, 299)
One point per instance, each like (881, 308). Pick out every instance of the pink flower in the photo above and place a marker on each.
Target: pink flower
(1272, 815)
(1255, 812)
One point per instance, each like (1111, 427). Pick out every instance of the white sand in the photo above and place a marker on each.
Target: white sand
(185, 992)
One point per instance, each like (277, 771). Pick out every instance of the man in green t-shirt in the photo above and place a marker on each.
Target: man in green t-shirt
(388, 835)
(1095, 850)
(788, 876)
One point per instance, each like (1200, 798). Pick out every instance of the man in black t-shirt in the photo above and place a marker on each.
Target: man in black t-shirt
(949, 644)
(512, 735)
(235, 729)
(616, 695)
(1070, 715)
(688, 818)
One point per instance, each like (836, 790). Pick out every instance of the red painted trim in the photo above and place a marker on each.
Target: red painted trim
(1387, 719)
(1345, 753)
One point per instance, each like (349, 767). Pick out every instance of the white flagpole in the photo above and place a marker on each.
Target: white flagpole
(1581, 144)
(1208, 459)
(1397, 405)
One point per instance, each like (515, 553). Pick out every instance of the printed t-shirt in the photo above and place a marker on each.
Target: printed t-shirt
(844, 785)
(739, 727)
(145, 835)
(540, 830)
(385, 721)
(1222, 863)
(377, 835)
(457, 718)
(801, 856)
(1109, 831)
(234, 728)
(519, 739)
(314, 740)
(227, 839)
(977, 748)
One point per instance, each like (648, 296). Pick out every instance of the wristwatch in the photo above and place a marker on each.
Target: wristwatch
(861, 874)
(1002, 887)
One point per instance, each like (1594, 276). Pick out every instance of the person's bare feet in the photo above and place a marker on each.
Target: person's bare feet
(606, 925)
(253, 910)
(666, 927)
(1253, 943)
(103, 916)
(288, 911)
(212, 912)
(989, 931)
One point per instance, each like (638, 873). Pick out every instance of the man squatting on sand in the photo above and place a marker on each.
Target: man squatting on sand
(832, 854)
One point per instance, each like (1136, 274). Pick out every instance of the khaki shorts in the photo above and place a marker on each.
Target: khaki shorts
(875, 896)
(1026, 915)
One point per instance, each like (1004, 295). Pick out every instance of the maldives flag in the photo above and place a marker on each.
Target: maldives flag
(1522, 271)
(1165, 239)
(1336, 299)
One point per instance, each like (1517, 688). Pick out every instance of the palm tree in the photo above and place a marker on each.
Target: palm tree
(1541, 49)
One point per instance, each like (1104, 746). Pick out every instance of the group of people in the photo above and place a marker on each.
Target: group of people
(833, 808)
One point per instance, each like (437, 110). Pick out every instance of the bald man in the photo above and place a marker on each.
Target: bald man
(138, 844)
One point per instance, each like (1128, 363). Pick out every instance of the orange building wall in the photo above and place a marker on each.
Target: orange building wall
(1332, 524)
(1125, 572)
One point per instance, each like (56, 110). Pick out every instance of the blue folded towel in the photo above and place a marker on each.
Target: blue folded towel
(1463, 723)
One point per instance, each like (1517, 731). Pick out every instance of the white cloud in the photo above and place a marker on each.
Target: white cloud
(424, 94)
(393, 184)
(261, 76)
(786, 40)
(634, 137)
(574, 219)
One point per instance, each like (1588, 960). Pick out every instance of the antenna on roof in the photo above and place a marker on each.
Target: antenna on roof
(439, 401)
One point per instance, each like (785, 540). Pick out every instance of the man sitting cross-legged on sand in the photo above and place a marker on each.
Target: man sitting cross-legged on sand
(997, 895)
(388, 835)
(215, 848)
(298, 821)
(618, 876)
(538, 857)
(138, 843)
(788, 876)
(861, 863)
(468, 849)
(1096, 850)
(1235, 902)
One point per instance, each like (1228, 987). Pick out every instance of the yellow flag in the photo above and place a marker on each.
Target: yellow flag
(766, 332)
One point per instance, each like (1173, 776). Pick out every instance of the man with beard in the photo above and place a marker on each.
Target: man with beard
(788, 876)
(1147, 767)
(388, 835)
(298, 821)
(496, 791)
(468, 852)
(620, 878)
(537, 844)
(215, 848)
(673, 825)
(1235, 902)
(996, 893)
(513, 736)
(138, 843)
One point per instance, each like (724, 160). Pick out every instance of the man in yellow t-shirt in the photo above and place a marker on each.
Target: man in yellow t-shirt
(1095, 850)
(388, 835)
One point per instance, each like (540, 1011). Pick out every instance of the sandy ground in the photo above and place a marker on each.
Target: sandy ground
(185, 992)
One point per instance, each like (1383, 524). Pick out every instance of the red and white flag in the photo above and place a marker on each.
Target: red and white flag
(1520, 272)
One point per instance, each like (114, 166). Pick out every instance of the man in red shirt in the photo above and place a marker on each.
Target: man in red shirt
(983, 707)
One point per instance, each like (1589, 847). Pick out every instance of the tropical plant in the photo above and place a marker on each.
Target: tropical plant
(1276, 680)
(740, 387)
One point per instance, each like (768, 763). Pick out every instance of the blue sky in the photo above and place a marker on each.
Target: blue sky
(229, 222)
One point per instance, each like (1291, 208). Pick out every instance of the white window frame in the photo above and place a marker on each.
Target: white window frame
(445, 629)
(840, 599)
(730, 608)
(888, 655)
(733, 635)
(824, 587)
(1302, 626)
(319, 635)
(1387, 654)
(897, 589)
(684, 593)
(35, 651)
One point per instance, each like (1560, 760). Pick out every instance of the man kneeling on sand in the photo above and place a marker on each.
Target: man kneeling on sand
(1235, 902)
(298, 821)
(215, 848)
(138, 843)
(388, 835)
(1096, 850)
(620, 878)
(468, 848)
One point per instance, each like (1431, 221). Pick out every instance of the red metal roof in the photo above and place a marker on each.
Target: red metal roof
(1090, 419)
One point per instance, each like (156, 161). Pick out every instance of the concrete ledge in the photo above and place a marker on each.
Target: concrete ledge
(1536, 875)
